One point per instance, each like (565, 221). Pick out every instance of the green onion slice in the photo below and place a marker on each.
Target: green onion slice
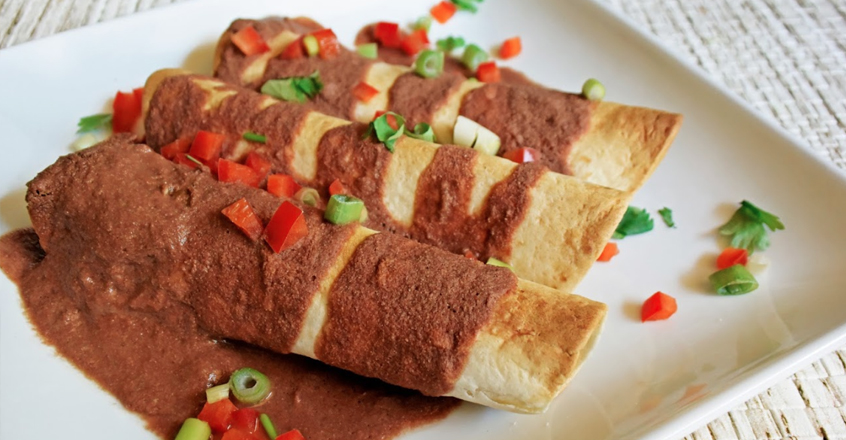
(249, 385)
(450, 43)
(193, 159)
(364, 215)
(429, 64)
(734, 280)
(384, 132)
(267, 424)
(94, 122)
(424, 22)
(343, 209)
(311, 45)
(369, 50)
(495, 262)
(422, 131)
(467, 5)
(308, 196)
(294, 89)
(255, 137)
(593, 90)
(194, 429)
(473, 56)
(217, 393)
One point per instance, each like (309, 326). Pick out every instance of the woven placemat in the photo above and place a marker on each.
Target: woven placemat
(785, 57)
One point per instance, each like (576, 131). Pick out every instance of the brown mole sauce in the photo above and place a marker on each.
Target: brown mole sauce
(417, 98)
(531, 116)
(429, 339)
(123, 297)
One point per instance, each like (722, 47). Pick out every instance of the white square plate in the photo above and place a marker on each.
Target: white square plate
(653, 381)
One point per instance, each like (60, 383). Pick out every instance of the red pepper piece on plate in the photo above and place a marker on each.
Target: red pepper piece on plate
(415, 42)
(522, 155)
(293, 50)
(228, 171)
(245, 419)
(258, 163)
(510, 48)
(658, 307)
(180, 145)
(364, 92)
(293, 434)
(488, 72)
(282, 185)
(244, 217)
(731, 256)
(207, 146)
(328, 43)
(286, 227)
(336, 187)
(608, 252)
(249, 41)
(237, 434)
(443, 11)
(387, 34)
(126, 111)
(218, 415)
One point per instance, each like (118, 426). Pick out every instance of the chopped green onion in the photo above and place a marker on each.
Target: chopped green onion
(467, 5)
(255, 137)
(473, 56)
(429, 64)
(450, 43)
(308, 196)
(311, 45)
(635, 221)
(268, 425)
(734, 280)
(424, 22)
(249, 385)
(294, 89)
(194, 429)
(495, 262)
(593, 90)
(364, 215)
(193, 159)
(369, 50)
(217, 393)
(422, 131)
(384, 132)
(94, 122)
(667, 215)
(343, 209)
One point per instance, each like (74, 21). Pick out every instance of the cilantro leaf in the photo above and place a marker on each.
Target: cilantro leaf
(746, 227)
(450, 43)
(94, 122)
(467, 5)
(294, 89)
(635, 221)
(384, 132)
(667, 216)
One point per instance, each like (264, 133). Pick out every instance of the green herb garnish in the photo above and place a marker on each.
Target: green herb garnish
(368, 50)
(424, 22)
(635, 221)
(746, 227)
(385, 133)
(473, 56)
(467, 5)
(101, 121)
(667, 216)
(267, 424)
(450, 43)
(499, 263)
(294, 89)
(193, 429)
(193, 159)
(422, 131)
(343, 209)
(734, 280)
(255, 137)
(593, 90)
(429, 64)
(249, 385)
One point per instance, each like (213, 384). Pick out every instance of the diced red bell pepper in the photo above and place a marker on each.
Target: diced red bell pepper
(387, 34)
(182, 159)
(293, 434)
(207, 146)
(731, 256)
(443, 11)
(180, 145)
(488, 72)
(245, 419)
(336, 187)
(258, 163)
(249, 41)
(293, 50)
(522, 155)
(126, 111)
(237, 434)
(608, 252)
(245, 218)
(364, 92)
(392, 121)
(469, 254)
(659, 306)
(228, 171)
(139, 95)
(328, 43)
(286, 227)
(510, 48)
(378, 113)
(415, 42)
(282, 185)
(218, 415)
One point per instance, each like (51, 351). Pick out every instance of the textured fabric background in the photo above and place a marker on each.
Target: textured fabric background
(785, 57)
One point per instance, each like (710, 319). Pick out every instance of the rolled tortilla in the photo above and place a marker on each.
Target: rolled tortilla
(376, 304)
(548, 226)
(605, 143)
